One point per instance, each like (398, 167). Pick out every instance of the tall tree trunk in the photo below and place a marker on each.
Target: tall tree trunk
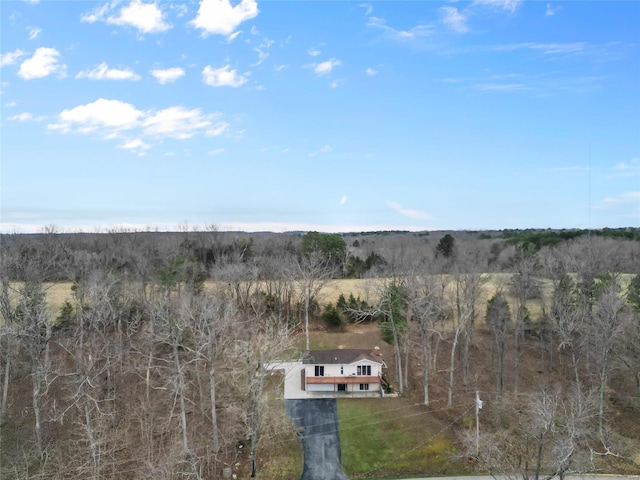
(35, 401)
(180, 388)
(516, 353)
(306, 319)
(215, 439)
(426, 360)
(406, 364)
(451, 367)
(602, 389)
(5, 384)
(397, 354)
(93, 447)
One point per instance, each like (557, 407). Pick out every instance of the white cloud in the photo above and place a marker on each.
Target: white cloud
(545, 48)
(323, 68)
(11, 57)
(407, 212)
(368, 8)
(233, 36)
(371, 72)
(97, 14)
(419, 31)
(279, 68)
(343, 200)
(623, 198)
(110, 115)
(552, 10)
(103, 72)
(626, 169)
(33, 32)
(221, 18)
(323, 149)
(222, 77)
(146, 17)
(216, 151)
(43, 63)
(167, 75)
(176, 122)
(116, 120)
(337, 83)
(314, 52)
(454, 19)
(11, 104)
(262, 51)
(501, 87)
(136, 145)
(633, 164)
(26, 117)
(217, 129)
(508, 5)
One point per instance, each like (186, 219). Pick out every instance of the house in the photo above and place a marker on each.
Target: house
(342, 372)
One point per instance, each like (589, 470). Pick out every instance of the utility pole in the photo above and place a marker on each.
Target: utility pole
(478, 407)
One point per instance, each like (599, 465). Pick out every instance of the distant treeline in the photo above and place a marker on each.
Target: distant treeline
(193, 256)
(546, 238)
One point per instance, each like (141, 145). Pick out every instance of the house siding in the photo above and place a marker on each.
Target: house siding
(335, 374)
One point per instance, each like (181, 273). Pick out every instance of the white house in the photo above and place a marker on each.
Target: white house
(342, 372)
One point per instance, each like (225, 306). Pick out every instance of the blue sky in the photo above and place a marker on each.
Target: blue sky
(319, 115)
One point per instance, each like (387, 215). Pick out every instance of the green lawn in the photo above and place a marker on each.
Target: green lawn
(385, 436)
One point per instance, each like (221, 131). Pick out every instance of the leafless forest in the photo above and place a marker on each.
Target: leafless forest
(153, 367)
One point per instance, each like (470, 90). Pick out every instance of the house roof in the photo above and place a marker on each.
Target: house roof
(340, 356)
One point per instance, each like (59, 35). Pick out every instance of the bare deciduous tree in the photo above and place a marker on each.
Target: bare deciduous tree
(425, 294)
(498, 317)
(310, 274)
(523, 285)
(608, 325)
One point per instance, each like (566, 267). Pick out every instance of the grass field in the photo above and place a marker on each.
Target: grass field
(57, 293)
(383, 436)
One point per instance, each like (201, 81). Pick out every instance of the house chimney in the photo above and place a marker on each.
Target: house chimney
(376, 351)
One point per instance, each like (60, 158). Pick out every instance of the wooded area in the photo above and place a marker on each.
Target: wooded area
(154, 365)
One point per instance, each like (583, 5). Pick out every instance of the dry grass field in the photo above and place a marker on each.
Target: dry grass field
(366, 289)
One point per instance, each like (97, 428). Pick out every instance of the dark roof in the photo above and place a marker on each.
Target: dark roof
(339, 356)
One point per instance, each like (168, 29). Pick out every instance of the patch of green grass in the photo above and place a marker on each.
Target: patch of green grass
(387, 436)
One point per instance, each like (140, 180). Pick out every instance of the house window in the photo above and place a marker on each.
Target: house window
(364, 386)
(364, 370)
(341, 370)
(342, 387)
(319, 370)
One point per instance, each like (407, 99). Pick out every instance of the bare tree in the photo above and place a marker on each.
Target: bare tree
(498, 317)
(425, 295)
(310, 274)
(391, 309)
(608, 325)
(33, 331)
(210, 320)
(266, 341)
(565, 318)
(468, 290)
(541, 436)
(523, 285)
(171, 330)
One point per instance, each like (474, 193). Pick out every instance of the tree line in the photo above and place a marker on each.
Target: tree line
(155, 365)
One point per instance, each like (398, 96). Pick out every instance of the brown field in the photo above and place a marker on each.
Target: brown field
(366, 289)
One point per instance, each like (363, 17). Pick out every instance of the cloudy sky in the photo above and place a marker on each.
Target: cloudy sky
(331, 116)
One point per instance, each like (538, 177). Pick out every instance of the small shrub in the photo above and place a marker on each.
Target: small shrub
(332, 316)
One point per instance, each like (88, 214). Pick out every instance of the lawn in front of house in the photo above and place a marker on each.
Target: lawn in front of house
(383, 436)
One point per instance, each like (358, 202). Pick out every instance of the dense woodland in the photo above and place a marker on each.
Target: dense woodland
(154, 366)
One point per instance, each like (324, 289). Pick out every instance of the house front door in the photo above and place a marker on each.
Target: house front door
(342, 387)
